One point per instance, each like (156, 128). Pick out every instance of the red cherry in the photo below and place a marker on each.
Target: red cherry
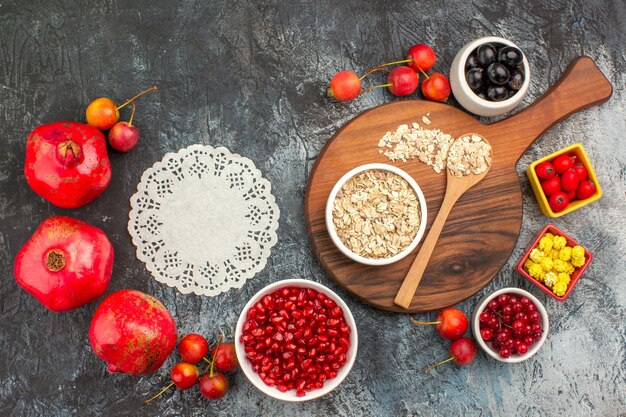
(545, 170)
(462, 351)
(403, 81)
(436, 87)
(558, 202)
(213, 386)
(184, 375)
(486, 334)
(226, 357)
(193, 347)
(522, 348)
(422, 57)
(505, 353)
(585, 190)
(451, 323)
(344, 86)
(569, 180)
(581, 171)
(123, 136)
(551, 186)
(562, 163)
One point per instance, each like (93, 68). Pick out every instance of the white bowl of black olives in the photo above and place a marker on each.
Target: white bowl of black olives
(490, 76)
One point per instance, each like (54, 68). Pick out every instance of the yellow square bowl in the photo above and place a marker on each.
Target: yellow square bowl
(581, 156)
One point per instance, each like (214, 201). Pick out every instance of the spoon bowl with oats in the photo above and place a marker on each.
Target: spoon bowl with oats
(468, 162)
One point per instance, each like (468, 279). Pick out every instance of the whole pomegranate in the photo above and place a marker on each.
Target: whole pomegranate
(133, 332)
(65, 264)
(67, 163)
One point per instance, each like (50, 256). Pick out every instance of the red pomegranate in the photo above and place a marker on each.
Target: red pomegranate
(67, 163)
(133, 332)
(65, 264)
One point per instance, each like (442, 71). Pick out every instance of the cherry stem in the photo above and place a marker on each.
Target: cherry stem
(404, 61)
(422, 71)
(423, 322)
(372, 71)
(500, 319)
(375, 86)
(148, 401)
(212, 363)
(439, 363)
(130, 100)
(130, 122)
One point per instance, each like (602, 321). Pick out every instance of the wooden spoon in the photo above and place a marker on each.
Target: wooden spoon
(455, 187)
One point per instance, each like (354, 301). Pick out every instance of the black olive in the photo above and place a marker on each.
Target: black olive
(498, 73)
(516, 80)
(476, 78)
(497, 93)
(510, 56)
(472, 62)
(482, 95)
(486, 54)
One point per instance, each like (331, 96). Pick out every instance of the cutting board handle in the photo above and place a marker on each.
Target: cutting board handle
(582, 85)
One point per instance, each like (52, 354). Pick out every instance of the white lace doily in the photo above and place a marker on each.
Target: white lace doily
(203, 220)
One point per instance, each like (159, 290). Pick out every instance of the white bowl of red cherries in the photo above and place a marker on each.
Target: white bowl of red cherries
(296, 340)
(510, 325)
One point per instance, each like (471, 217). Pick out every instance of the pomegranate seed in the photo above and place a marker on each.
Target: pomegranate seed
(318, 384)
(332, 333)
(330, 357)
(317, 305)
(344, 328)
(320, 318)
(289, 305)
(301, 350)
(296, 314)
(322, 377)
(284, 292)
(311, 353)
(336, 312)
(332, 374)
(311, 293)
(307, 333)
(276, 319)
(312, 342)
(306, 363)
(282, 387)
(291, 363)
(332, 322)
(330, 304)
(300, 393)
(309, 311)
(301, 298)
(301, 384)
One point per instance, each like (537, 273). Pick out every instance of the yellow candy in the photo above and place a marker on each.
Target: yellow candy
(545, 244)
(563, 277)
(559, 289)
(554, 254)
(565, 254)
(549, 279)
(578, 262)
(528, 264)
(559, 242)
(549, 235)
(536, 255)
(570, 269)
(536, 271)
(560, 266)
(547, 264)
(578, 252)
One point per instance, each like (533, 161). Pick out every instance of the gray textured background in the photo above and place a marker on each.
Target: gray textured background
(251, 77)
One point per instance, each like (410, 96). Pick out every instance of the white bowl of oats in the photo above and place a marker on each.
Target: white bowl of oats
(376, 214)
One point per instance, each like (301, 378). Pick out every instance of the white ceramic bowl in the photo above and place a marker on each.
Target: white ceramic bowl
(330, 384)
(514, 358)
(330, 226)
(464, 94)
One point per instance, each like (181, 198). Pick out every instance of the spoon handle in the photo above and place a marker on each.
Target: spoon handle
(414, 276)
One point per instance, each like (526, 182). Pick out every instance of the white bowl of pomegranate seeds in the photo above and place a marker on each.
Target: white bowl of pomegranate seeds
(510, 325)
(296, 340)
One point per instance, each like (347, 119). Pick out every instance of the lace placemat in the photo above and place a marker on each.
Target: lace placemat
(203, 220)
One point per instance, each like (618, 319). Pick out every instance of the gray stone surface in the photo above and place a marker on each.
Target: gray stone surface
(251, 76)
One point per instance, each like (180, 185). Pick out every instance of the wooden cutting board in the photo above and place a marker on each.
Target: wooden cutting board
(484, 225)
